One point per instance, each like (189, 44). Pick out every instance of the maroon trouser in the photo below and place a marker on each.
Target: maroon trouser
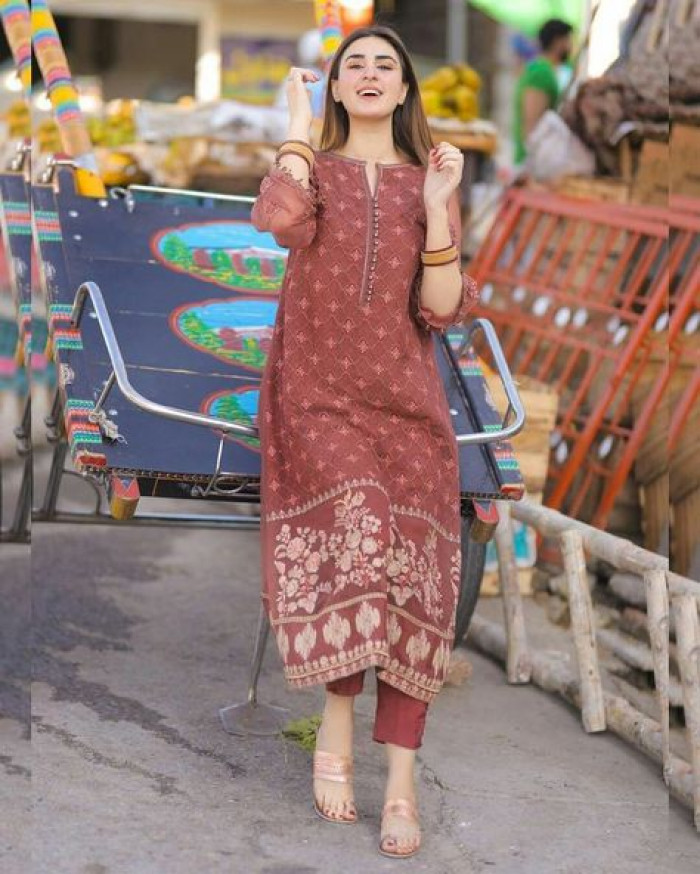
(399, 719)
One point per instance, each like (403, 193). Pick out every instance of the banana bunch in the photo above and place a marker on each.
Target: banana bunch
(18, 120)
(47, 137)
(452, 92)
(116, 128)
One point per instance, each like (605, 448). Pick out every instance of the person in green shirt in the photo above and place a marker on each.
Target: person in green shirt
(538, 89)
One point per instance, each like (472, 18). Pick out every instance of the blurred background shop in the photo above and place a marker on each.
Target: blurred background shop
(147, 68)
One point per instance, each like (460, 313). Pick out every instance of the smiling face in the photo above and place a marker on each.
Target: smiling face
(370, 79)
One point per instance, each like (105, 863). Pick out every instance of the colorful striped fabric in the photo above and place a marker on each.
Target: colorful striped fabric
(17, 218)
(63, 335)
(48, 227)
(471, 369)
(80, 429)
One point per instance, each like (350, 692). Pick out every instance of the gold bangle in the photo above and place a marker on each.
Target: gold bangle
(441, 263)
(296, 147)
(435, 251)
(439, 257)
(293, 146)
(296, 155)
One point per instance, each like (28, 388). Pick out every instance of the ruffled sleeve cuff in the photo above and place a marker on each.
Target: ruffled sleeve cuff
(470, 295)
(287, 208)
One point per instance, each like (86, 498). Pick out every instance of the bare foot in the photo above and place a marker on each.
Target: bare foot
(335, 734)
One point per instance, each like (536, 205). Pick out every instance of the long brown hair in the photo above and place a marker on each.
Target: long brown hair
(409, 124)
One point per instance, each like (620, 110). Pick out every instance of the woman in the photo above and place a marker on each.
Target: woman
(360, 489)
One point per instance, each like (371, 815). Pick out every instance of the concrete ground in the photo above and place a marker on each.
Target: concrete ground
(142, 634)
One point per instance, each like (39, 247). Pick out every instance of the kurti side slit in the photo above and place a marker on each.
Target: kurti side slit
(360, 526)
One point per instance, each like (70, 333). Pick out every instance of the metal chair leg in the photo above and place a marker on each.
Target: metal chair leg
(19, 530)
(252, 718)
(48, 507)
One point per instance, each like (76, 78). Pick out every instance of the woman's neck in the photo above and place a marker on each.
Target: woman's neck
(370, 141)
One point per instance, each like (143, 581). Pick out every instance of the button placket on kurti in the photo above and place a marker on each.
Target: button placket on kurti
(372, 245)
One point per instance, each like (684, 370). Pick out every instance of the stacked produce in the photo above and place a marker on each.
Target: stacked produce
(116, 127)
(452, 92)
(18, 120)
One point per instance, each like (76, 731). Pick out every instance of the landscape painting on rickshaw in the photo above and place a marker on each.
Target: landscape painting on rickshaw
(237, 330)
(240, 405)
(229, 253)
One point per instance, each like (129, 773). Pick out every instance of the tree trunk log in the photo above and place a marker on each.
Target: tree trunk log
(636, 622)
(632, 651)
(629, 588)
(583, 626)
(688, 634)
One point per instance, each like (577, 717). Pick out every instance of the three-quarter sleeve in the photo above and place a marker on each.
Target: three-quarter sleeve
(425, 317)
(286, 208)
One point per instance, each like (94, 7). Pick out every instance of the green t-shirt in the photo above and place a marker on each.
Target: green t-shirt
(541, 75)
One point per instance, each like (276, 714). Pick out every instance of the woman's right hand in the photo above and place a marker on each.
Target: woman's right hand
(299, 101)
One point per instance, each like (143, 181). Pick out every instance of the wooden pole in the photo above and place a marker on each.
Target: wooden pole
(632, 651)
(64, 98)
(18, 30)
(519, 666)
(583, 626)
(688, 636)
(65, 101)
(658, 625)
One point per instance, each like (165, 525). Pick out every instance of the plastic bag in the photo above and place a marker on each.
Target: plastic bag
(554, 150)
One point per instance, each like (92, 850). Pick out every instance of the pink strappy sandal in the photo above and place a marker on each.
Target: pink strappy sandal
(337, 769)
(400, 807)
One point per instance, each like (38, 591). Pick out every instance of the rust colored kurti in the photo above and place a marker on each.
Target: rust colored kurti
(360, 482)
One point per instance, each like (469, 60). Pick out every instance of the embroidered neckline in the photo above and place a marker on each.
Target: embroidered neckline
(364, 163)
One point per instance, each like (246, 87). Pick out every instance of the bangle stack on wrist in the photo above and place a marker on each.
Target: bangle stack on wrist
(439, 257)
(299, 148)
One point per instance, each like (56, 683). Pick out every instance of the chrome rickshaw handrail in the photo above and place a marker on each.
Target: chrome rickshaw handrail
(119, 371)
(515, 404)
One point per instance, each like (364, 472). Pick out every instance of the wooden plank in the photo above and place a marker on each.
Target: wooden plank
(651, 185)
(655, 514)
(593, 188)
(685, 535)
(684, 172)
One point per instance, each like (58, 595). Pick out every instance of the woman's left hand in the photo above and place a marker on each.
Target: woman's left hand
(443, 176)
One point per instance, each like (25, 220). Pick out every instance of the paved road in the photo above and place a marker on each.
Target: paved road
(143, 633)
